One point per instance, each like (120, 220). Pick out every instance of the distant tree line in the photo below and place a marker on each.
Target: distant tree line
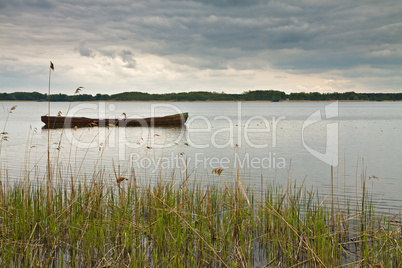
(257, 95)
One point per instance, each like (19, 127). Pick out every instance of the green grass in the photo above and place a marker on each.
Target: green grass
(102, 225)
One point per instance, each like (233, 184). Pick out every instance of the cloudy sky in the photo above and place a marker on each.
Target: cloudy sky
(159, 46)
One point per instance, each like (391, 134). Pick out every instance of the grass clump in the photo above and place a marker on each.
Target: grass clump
(102, 225)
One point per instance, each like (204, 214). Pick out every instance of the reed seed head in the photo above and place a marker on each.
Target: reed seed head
(78, 90)
(120, 179)
(217, 171)
(13, 108)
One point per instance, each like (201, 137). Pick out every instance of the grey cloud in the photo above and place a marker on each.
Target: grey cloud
(6, 58)
(300, 36)
(46, 4)
(220, 35)
(230, 3)
(108, 53)
(84, 50)
(126, 55)
(128, 58)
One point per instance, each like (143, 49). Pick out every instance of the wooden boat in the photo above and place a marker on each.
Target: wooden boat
(71, 122)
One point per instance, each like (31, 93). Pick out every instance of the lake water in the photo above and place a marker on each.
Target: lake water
(261, 141)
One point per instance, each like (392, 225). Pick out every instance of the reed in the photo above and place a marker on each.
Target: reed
(4, 134)
(49, 173)
(99, 224)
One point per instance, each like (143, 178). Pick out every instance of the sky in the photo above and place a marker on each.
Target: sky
(232, 46)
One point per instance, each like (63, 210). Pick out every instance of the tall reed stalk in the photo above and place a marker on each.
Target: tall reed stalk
(49, 173)
(4, 134)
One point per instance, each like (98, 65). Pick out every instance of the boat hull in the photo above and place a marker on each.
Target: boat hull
(72, 122)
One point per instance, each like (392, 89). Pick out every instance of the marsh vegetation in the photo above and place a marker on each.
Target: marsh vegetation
(98, 224)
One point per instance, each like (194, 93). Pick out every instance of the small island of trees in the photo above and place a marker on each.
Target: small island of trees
(256, 95)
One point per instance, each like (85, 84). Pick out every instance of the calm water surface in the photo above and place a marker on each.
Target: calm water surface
(261, 141)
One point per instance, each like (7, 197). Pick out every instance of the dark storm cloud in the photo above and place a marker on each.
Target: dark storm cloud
(299, 36)
(222, 34)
